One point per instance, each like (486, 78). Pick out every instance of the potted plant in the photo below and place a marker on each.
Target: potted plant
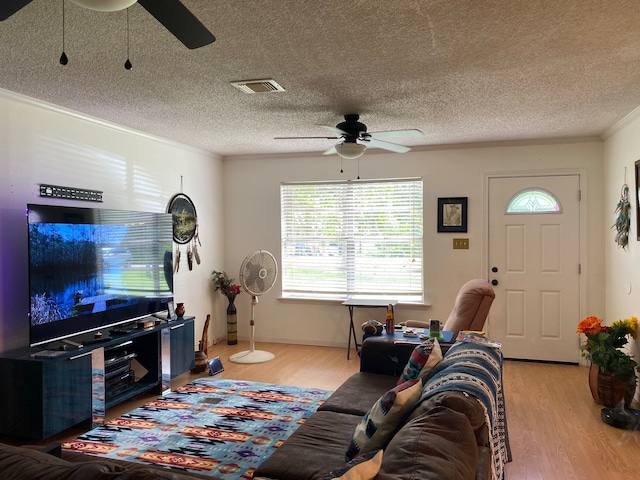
(612, 377)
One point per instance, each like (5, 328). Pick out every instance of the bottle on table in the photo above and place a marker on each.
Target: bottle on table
(390, 320)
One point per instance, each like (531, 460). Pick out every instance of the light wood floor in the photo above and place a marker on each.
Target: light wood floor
(554, 426)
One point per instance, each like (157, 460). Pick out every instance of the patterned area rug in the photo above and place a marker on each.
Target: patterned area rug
(218, 427)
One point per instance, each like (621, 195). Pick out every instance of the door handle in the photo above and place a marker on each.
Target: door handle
(494, 282)
(494, 269)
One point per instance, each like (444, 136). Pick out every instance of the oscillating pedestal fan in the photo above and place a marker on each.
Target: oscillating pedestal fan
(258, 274)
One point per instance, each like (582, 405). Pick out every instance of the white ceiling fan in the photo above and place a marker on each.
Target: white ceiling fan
(356, 139)
(171, 13)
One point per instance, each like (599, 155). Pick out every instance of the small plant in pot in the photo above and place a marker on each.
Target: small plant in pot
(615, 377)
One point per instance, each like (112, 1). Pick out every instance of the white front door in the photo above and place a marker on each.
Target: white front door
(535, 260)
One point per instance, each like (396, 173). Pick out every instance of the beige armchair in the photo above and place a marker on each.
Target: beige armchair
(470, 309)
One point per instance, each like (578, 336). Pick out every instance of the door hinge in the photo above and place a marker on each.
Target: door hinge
(579, 195)
(579, 269)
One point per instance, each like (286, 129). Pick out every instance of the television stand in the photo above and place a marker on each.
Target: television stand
(45, 396)
(93, 341)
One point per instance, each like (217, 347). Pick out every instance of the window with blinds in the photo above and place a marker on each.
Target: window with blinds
(352, 239)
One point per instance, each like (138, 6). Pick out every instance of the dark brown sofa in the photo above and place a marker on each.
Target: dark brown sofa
(446, 436)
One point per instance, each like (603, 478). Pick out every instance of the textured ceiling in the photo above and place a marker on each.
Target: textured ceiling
(459, 70)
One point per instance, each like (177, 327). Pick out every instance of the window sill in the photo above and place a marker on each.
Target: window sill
(321, 301)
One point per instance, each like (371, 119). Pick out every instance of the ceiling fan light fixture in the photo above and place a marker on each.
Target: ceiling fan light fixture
(350, 150)
(105, 5)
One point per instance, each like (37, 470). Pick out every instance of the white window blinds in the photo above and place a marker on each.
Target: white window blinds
(352, 239)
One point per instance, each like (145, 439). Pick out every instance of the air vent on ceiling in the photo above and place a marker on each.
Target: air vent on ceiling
(258, 86)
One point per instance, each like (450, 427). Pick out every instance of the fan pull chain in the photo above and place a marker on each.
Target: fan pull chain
(63, 58)
(128, 65)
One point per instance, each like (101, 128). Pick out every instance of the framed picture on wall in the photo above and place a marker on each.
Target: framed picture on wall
(452, 214)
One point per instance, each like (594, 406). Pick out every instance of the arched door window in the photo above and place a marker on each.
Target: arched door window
(534, 200)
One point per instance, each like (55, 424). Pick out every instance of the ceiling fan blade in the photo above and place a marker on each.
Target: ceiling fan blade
(393, 147)
(330, 151)
(180, 21)
(9, 7)
(297, 138)
(335, 130)
(396, 134)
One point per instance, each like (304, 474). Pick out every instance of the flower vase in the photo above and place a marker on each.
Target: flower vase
(608, 390)
(232, 323)
(594, 370)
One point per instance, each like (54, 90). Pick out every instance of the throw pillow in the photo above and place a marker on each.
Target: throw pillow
(423, 360)
(363, 467)
(377, 426)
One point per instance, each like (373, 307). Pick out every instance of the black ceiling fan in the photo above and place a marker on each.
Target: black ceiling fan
(171, 13)
(356, 139)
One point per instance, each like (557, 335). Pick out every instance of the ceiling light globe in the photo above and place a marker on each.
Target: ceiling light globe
(350, 150)
(105, 5)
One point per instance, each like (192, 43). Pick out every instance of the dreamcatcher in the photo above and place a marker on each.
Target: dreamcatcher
(185, 230)
(623, 221)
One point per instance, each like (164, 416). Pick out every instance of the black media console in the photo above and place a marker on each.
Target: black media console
(47, 390)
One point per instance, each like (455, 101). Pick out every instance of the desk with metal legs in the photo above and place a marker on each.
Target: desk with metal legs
(362, 303)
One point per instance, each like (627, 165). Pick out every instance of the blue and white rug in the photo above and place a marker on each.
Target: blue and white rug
(218, 427)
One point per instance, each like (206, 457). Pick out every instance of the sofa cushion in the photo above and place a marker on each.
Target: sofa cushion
(363, 467)
(20, 463)
(316, 447)
(437, 445)
(378, 425)
(358, 393)
(423, 360)
(460, 402)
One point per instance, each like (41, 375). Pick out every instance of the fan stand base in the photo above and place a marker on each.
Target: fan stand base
(252, 356)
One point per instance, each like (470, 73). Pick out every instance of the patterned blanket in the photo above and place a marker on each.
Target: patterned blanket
(477, 370)
(218, 427)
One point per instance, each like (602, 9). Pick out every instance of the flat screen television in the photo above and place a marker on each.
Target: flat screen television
(92, 268)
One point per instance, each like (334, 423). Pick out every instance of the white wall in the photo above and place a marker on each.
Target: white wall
(40, 143)
(252, 221)
(621, 151)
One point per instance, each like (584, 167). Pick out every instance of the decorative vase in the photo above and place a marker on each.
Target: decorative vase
(608, 390)
(200, 362)
(180, 310)
(232, 323)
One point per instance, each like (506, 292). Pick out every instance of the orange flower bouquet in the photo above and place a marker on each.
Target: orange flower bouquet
(604, 343)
